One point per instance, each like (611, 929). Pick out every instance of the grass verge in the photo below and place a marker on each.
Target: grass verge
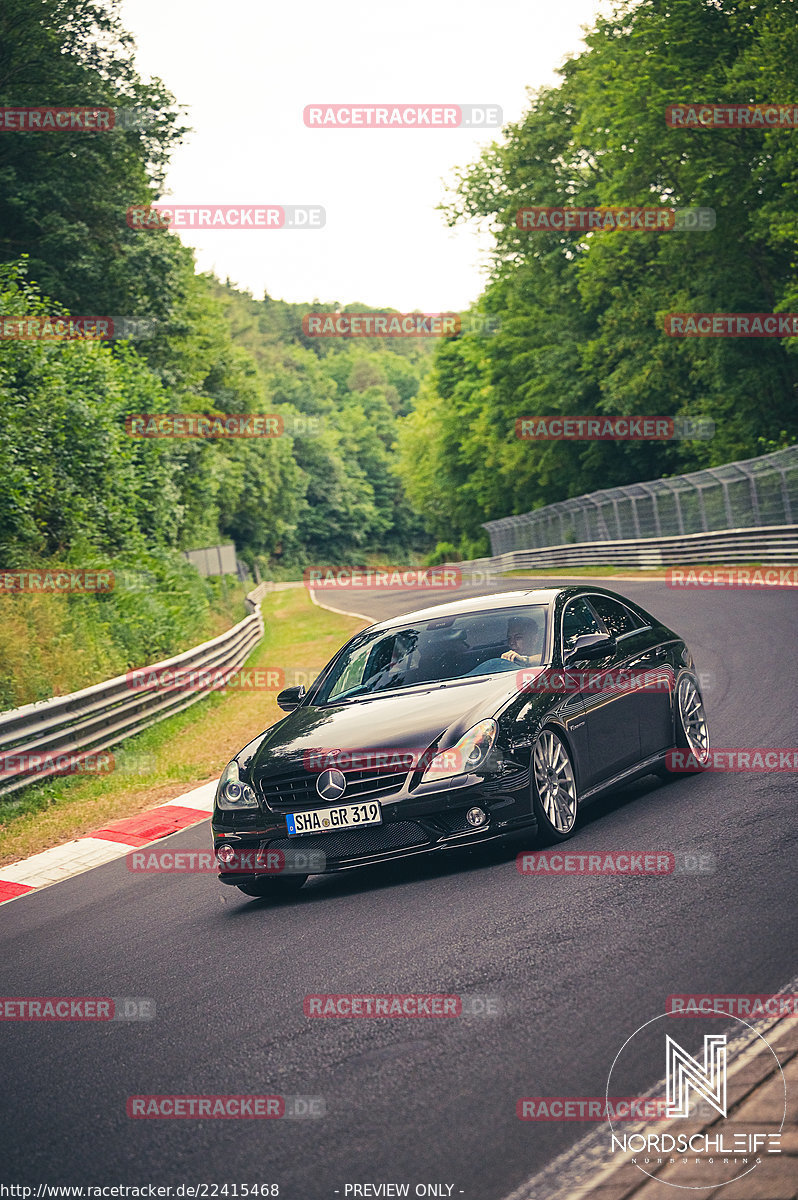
(53, 643)
(612, 571)
(183, 751)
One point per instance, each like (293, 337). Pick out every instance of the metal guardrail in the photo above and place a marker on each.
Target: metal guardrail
(101, 716)
(770, 544)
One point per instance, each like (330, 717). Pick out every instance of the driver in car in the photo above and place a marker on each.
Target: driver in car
(522, 634)
(524, 651)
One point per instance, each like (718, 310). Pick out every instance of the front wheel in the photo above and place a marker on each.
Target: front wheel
(554, 795)
(692, 731)
(285, 885)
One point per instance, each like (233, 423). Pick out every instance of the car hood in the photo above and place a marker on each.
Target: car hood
(407, 720)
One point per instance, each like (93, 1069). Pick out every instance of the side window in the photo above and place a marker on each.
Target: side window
(576, 621)
(352, 673)
(619, 620)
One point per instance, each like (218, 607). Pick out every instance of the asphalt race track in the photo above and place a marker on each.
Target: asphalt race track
(577, 964)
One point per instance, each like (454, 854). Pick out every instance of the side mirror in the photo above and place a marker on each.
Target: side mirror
(591, 645)
(290, 698)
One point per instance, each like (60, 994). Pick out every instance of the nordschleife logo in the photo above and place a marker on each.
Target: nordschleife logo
(702, 1142)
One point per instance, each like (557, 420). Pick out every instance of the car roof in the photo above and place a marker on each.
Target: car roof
(473, 604)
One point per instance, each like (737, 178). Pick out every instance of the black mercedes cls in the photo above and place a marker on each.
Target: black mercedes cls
(458, 724)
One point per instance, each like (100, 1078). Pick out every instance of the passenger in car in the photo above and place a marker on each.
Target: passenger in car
(403, 658)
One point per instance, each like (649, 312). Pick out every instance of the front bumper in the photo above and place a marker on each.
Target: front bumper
(410, 827)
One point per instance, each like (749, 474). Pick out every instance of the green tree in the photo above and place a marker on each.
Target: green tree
(64, 195)
(581, 315)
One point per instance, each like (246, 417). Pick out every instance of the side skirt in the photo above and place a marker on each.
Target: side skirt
(646, 767)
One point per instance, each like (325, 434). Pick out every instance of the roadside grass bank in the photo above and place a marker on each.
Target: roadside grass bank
(613, 571)
(53, 643)
(185, 750)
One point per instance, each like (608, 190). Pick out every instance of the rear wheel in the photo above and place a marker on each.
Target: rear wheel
(285, 885)
(692, 731)
(554, 795)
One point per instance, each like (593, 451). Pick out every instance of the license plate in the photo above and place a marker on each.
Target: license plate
(327, 820)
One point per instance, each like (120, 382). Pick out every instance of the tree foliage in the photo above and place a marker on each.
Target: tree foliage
(70, 473)
(581, 316)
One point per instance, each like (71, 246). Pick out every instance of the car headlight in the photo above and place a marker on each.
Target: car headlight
(232, 791)
(472, 749)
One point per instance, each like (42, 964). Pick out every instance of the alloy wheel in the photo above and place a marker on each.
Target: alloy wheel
(554, 779)
(693, 719)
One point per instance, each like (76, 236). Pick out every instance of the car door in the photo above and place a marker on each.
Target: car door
(611, 712)
(643, 657)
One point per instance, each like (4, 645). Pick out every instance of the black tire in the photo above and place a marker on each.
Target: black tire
(555, 798)
(269, 885)
(691, 728)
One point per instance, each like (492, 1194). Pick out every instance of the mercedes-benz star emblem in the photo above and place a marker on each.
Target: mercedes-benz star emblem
(331, 785)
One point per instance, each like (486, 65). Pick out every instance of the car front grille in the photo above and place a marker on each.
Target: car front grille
(356, 843)
(296, 790)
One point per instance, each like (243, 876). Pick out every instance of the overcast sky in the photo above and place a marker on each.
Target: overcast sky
(245, 69)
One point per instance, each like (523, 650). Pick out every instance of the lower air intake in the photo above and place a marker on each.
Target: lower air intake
(356, 843)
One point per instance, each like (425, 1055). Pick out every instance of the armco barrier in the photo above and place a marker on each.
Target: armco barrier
(769, 544)
(101, 716)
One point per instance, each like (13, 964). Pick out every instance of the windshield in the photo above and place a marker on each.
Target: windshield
(439, 649)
